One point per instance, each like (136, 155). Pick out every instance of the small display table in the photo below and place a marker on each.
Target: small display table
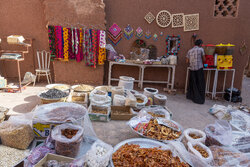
(215, 82)
(169, 82)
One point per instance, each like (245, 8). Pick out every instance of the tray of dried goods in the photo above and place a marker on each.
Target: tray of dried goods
(144, 152)
(83, 88)
(62, 87)
(160, 129)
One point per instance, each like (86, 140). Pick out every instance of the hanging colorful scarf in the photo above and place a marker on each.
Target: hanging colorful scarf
(71, 55)
(77, 46)
(66, 44)
(102, 45)
(52, 45)
(59, 42)
(102, 39)
(95, 45)
(88, 53)
(81, 43)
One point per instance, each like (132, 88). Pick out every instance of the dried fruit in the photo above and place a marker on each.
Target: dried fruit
(133, 155)
(160, 132)
(194, 136)
(201, 151)
(69, 133)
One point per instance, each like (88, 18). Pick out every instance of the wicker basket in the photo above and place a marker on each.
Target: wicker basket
(48, 101)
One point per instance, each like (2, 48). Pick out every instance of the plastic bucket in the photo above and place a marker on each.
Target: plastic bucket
(126, 82)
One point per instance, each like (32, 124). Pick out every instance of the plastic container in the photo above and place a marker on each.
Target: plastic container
(209, 49)
(160, 99)
(67, 146)
(172, 60)
(126, 82)
(230, 49)
(150, 92)
(221, 49)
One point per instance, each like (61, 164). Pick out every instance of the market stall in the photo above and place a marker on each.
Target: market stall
(59, 131)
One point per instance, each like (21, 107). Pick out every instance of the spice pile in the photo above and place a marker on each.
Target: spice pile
(201, 151)
(133, 155)
(54, 94)
(160, 132)
(84, 88)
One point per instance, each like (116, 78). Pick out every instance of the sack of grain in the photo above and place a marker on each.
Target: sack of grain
(16, 134)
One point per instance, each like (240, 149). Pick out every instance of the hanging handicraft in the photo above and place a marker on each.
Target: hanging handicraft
(149, 17)
(148, 34)
(163, 18)
(155, 37)
(114, 34)
(128, 32)
(139, 32)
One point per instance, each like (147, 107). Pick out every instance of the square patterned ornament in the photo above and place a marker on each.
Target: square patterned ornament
(128, 32)
(149, 17)
(177, 20)
(191, 22)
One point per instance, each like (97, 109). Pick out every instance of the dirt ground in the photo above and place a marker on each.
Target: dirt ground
(184, 111)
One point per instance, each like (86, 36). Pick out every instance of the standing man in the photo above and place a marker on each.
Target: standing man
(196, 87)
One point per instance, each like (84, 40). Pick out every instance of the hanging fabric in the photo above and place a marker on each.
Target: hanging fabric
(59, 42)
(88, 49)
(52, 46)
(66, 44)
(71, 55)
(95, 46)
(102, 46)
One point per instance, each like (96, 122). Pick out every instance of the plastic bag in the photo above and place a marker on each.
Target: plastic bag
(141, 101)
(16, 134)
(70, 145)
(99, 154)
(39, 152)
(240, 120)
(179, 149)
(155, 111)
(100, 100)
(221, 112)
(130, 99)
(241, 141)
(28, 77)
(160, 99)
(191, 149)
(119, 100)
(59, 113)
(219, 133)
(194, 135)
(97, 93)
(229, 156)
(150, 92)
(118, 90)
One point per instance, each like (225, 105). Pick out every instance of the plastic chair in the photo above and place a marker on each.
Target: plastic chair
(43, 58)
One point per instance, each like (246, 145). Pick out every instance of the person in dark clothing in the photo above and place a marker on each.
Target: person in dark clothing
(196, 87)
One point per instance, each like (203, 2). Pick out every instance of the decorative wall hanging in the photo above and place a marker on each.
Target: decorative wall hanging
(177, 20)
(128, 32)
(173, 44)
(139, 32)
(155, 37)
(163, 18)
(51, 31)
(226, 8)
(66, 44)
(114, 34)
(102, 39)
(191, 22)
(149, 17)
(161, 34)
(148, 34)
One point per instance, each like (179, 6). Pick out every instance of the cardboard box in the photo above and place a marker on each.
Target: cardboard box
(58, 158)
(121, 113)
(42, 130)
(97, 116)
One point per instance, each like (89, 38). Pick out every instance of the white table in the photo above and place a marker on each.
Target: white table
(215, 82)
(169, 82)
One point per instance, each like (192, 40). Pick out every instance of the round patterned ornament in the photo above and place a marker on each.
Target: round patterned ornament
(163, 18)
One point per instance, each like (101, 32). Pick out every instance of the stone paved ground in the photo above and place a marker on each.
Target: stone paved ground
(184, 111)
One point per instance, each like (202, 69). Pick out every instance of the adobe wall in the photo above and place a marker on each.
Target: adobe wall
(30, 17)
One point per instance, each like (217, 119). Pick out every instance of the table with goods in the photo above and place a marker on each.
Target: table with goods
(58, 132)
